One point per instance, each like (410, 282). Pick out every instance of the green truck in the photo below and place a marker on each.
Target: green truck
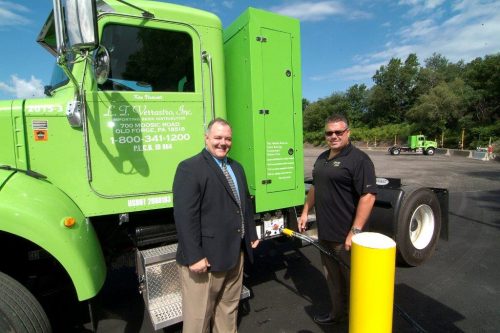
(86, 173)
(416, 144)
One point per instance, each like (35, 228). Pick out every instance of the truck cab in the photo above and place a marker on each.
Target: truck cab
(415, 144)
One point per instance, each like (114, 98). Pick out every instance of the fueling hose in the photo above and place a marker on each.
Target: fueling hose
(316, 244)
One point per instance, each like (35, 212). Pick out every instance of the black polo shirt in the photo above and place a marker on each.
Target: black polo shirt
(338, 185)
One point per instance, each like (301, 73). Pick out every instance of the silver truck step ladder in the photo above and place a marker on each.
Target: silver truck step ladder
(160, 285)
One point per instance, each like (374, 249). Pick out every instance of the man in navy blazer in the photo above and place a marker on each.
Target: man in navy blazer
(214, 220)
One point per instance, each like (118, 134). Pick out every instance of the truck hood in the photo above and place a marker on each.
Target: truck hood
(4, 176)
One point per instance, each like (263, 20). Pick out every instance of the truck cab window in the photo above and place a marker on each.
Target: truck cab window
(145, 59)
(58, 77)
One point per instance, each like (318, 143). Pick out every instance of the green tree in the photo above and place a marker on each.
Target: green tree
(438, 99)
(305, 104)
(437, 69)
(441, 108)
(483, 75)
(357, 98)
(395, 90)
(316, 113)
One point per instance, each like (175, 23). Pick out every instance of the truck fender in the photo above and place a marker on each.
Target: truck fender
(413, 216)
(35, 209)
(383, 218)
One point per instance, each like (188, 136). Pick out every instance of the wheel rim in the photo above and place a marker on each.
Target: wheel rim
(422, 226)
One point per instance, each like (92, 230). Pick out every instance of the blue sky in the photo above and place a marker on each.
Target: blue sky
(343, 42)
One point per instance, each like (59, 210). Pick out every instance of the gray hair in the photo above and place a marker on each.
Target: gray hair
(217, 121)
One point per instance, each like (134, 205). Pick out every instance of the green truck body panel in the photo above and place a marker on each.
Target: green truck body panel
(123, 159)
(264, 104)
(35, 210)
(13, 148)
(419, 141)
(164, 11)
(4, 176)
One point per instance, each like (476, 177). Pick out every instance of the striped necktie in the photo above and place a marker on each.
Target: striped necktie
(235, 193)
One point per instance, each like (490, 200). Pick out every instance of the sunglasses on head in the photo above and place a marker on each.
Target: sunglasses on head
(337, 133)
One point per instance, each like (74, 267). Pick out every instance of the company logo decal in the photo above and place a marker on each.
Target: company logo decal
(40, 130)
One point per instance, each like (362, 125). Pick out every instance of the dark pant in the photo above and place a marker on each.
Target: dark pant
(337, 277)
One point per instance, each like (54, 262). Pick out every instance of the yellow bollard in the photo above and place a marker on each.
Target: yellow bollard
(373, 266)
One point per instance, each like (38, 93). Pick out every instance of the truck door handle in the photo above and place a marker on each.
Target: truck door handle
(205, 56)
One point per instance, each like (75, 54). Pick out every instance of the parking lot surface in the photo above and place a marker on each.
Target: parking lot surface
(456, 173)
(456, 290)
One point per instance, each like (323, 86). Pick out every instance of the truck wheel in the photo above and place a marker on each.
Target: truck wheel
(20, 312)
(430, 151)
(395, 151)
(419, 225)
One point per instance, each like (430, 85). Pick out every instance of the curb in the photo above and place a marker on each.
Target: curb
(483, 156)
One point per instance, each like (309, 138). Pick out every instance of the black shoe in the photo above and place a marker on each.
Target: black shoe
(326, 319)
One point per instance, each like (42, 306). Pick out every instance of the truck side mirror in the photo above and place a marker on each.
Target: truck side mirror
(83, 35)
(76, 25)
(101, 64)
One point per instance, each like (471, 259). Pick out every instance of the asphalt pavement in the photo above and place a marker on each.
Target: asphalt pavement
(456, 290)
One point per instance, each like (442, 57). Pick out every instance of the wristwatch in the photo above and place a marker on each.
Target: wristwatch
(356, 231)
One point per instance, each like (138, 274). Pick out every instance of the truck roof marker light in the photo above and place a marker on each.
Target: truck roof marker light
(69, 222)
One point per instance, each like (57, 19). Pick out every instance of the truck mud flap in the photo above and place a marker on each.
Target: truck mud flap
(160, 285)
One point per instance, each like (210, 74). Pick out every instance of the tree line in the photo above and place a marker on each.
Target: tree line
(441, 99)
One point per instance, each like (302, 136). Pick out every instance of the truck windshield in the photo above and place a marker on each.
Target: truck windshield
(145, 59)
(59, 78)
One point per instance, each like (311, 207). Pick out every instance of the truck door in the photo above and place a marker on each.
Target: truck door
(149, 114)
(278, 99)
(421, 140)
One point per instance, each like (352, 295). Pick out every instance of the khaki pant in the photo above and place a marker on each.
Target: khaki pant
(210, 300)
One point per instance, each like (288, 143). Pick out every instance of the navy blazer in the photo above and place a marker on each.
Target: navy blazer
(207, 215)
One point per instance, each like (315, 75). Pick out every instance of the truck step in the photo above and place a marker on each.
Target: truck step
(161, 287)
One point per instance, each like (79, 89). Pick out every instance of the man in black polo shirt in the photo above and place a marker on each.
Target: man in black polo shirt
(343, 194)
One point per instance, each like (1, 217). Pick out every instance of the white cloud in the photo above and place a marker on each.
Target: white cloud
(359, 72)
(421, 6)
(471, 30)
(10, 14)
(20, 88)
(318, 11)
(419, 29)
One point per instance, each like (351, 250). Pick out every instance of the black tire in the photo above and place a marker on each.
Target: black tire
(20, 312)
(419, 225)
(395, 151)
(430, 151)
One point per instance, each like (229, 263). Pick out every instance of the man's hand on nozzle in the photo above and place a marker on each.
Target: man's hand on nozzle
(302, 223)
